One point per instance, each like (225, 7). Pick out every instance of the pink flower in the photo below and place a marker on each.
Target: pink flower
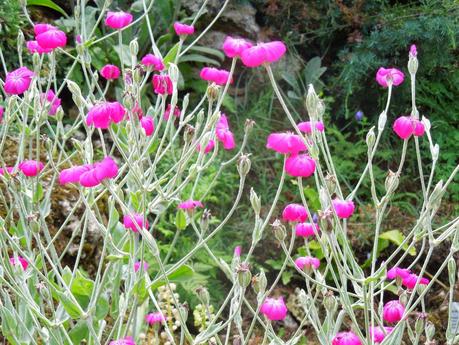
(150, 60)
(223, 133)
(393, 311)
(237, 251)
(34, 47)
(31, 167)
(118, 20)
(110, 72)
(377, 333)
(148, 125)
(294, 213)
(274, 308)
(52, 39)
(343, 208)
(138, 264)
(263, 53)
(21, 261)
(307, 262)
(135, 221)
(102, 114)
(397, 272)
(233, 47)
(123, 341)
(190, 204)
(73, 174)
(413, 50)
(306, 126)
(53, 100)
(306, 229)
(217, 76)
(105, 169)
(2, 110)
(42, 28)
(300, 165)
(176, 112)
(154, 318)
(346, 338)
(410, 281)
(286, 143)
(162, 84)
(209, 147)
(10, 170)
(18, 81)
(384, 76)
(183, 29)
(419, 129)
(405, 126)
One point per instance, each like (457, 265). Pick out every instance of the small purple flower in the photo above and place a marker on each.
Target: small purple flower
(359, 115)
(413, 50)
(315, 218)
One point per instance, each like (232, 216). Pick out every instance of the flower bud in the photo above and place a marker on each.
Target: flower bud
(204, 223)
(330, 302)
(243, 165)
(248, 126)
(134, 47)
(437, 193)
(382, 121)
(311, 101)
(430, 330)
(330, 182)
(413, 64)
(20, 42)
(188, 133)
(183, 310)
(244, 277)
(174, 73)
(404, 298)
(420, 323)
(36, 62)
(213, 91)
(259, 283)
(435, 150)
(370, 139)
(185, 102)
(203, 295)
(255, 201)
(452, 271)
(137, 76)
(391, 182)
(279, 230)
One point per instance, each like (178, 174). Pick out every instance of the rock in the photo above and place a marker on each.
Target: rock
(237, 19)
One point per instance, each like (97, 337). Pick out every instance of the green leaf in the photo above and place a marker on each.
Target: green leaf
(286, 277)
(170, 57)
(38, 195)
(181, 274)
(396, 237)
(199, 58)
(102, 307)
(47, 3)
(210, 51)
(71, 308)
(180, 220)
(79, 332)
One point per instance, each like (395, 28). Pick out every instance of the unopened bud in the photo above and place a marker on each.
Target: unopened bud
(255, 201)
(134, 47)
(243, 165)
(413, 64)
(311, 101)
(259, 283)
(435, 152)
(452, 271)
(244, 276)
(174, 73)
(382, 121)
(330, 302)
(183, 310)
(279, 230)
(370, 139)
(391, 182)
(20, 41)
(185, 102)
(430, 330)
(203, 295)
(188, 134)
(204, 223)
(248, 126)
(320, 108)
(213, 91)
(420, 323)
(330, 181)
